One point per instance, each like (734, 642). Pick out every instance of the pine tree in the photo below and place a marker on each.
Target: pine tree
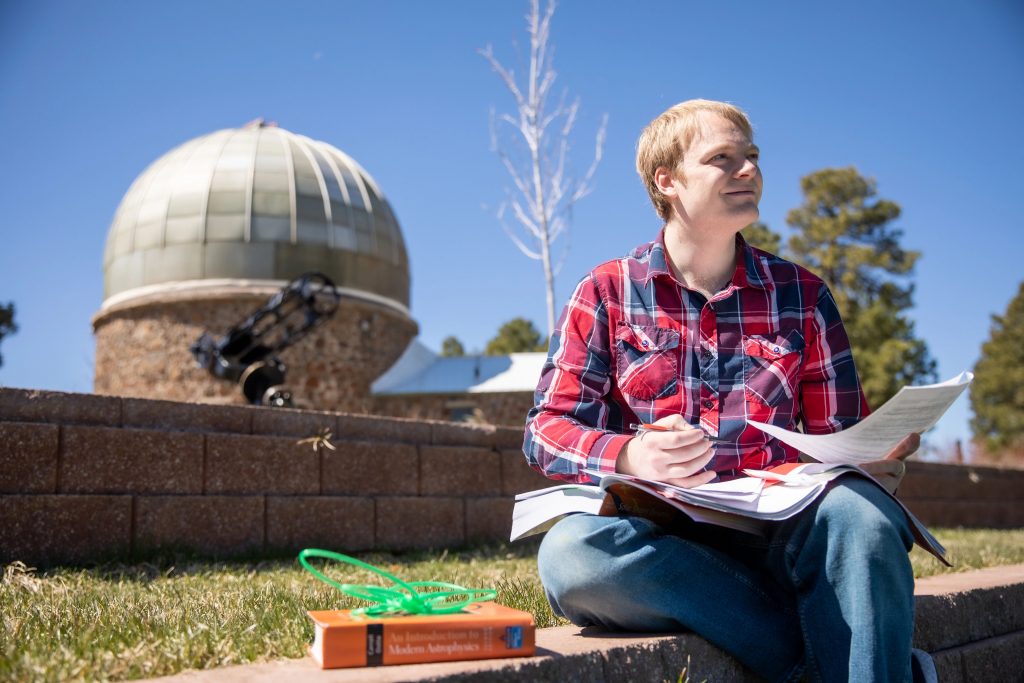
(997, 393)
(759, 235)
(451, 347)
(515, 336)
(844, 234)
(7, 325)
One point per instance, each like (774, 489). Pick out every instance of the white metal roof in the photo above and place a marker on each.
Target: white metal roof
(421, 371)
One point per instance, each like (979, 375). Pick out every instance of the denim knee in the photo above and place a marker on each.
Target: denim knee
(568, 557)
(847, 559)
(587, 555)
(863, 516)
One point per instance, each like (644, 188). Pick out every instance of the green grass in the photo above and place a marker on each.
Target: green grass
(969, 549)
(118, 622)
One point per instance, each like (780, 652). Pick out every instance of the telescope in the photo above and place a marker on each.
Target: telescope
(247, 353)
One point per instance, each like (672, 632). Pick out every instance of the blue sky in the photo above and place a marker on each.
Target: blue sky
(925, 97)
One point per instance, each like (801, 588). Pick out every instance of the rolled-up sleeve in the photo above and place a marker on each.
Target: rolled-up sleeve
(565, 429)
(831, 397)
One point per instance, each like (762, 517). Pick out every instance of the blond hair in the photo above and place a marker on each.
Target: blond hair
(665, 139)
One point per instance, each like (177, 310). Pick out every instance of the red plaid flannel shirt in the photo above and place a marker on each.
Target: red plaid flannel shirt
(634, 345)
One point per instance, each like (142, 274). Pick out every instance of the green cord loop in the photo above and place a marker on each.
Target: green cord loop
(401, 600)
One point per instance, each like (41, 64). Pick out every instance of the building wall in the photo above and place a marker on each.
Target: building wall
(143, 351)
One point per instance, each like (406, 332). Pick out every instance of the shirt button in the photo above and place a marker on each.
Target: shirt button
(709, 404)
(705, 354)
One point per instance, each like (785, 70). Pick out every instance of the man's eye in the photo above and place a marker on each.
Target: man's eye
(717, 157)
(754, 156)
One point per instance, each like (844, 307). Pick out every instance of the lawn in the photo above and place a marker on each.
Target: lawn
(119, 622)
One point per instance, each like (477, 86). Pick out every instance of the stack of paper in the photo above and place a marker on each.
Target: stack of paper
(747, 496)
(744, 504)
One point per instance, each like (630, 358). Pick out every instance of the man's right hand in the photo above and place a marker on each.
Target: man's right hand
(890, 470)
(676, 457)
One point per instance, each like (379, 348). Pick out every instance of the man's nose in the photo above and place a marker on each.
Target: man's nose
(747, 169)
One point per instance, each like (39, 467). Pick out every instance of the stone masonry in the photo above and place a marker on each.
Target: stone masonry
(86, 478)
(142, 350)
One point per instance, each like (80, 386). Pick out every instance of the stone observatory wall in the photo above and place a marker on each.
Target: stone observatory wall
(142, 350)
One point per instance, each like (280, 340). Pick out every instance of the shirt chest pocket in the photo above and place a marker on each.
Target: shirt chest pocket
(771, 367)
(647, 360)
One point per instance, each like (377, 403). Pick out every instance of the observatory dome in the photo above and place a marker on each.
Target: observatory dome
(255, 205)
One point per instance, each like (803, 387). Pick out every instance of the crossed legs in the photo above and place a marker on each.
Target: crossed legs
(829, 591)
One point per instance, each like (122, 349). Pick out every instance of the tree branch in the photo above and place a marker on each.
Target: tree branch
(537, 159)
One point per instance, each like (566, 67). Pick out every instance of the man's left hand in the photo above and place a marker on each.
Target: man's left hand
(889, 471)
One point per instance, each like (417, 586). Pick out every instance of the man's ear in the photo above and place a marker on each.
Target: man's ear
(665, 181)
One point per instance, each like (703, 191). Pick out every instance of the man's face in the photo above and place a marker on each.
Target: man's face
(718, 185)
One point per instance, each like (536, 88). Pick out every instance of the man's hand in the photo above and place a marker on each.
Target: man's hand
(676, 457)
(905, 448)
(890, 470)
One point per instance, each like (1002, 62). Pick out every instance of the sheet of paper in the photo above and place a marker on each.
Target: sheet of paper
(913, 409)
(537, 511)
(550, 490)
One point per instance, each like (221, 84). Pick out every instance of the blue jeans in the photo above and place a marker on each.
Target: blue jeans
(829, 592)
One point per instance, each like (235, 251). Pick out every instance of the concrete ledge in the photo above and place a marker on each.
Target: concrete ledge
(58, 407)
(967, 607)
(972, 623)
(565, 653)
(993, 659)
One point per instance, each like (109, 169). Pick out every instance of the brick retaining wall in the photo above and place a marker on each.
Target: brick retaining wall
(86, 478)
(964, 495)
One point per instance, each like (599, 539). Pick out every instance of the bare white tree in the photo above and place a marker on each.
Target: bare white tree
(533, 145)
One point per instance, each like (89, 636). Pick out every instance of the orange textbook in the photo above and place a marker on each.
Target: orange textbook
(482, 630)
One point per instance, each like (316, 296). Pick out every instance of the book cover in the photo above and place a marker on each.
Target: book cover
(483, 630)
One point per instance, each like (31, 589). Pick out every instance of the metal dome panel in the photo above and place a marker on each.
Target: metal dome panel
(255, 203)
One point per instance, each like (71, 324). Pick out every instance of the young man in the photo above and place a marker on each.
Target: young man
(698, 332)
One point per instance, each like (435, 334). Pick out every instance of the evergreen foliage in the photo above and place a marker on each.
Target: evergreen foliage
(7, 325)
(451, 347)
(517, 335)
(843, 233)
(997, 394)
(759, 235)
